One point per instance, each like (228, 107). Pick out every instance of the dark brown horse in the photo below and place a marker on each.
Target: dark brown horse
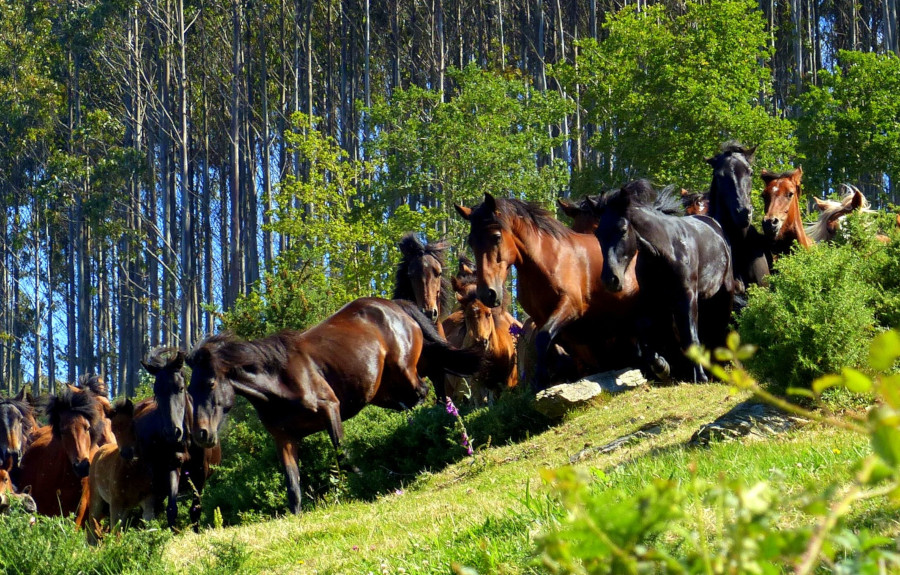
(695, 203)
(60, 453)
(783, 223)
(731, 206)
(559, 283)
(369, 352)
(583, 219)
(163, 425)
(16, 426)
(420, 278)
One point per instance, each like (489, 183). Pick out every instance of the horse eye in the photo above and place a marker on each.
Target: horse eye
(496, 237)
(623, 226)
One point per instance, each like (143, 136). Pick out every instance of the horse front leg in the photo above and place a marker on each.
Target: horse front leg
(544, 339)
(686, 318)
(288, 452)
(172, 504)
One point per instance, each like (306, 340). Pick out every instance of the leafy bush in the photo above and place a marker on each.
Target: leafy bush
(818, 316)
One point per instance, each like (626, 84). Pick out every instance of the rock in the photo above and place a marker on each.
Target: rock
(750, 419)
(645, 431)
(556, 401)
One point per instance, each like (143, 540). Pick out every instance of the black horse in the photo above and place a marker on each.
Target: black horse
(162, 426)
(683, 270)
(730, 205)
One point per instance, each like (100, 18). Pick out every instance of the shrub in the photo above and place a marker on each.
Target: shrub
(818, 315)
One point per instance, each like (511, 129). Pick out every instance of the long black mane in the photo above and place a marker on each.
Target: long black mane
(640, 193)
(93, 383)
(412, 248)
(225, 352)
(77, 403)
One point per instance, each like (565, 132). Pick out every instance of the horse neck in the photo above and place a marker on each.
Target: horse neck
(793, 226)
(532, 246)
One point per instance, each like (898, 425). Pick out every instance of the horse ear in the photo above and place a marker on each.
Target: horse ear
(648, 247)
(178, 361)
(459, 297)
(124, 407)
(711, 161)
(151, 369)
(797, 176)
(593, 203)
(684, 192)
(24, 396)
(410, 245)
(489, 202)
(567, 208)
(821, 205)
(463, 211)
(767, 176)
(857, 200)
(751, 152)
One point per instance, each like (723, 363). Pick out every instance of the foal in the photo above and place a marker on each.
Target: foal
(488, 329)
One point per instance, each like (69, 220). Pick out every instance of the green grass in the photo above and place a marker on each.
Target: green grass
(485, 512)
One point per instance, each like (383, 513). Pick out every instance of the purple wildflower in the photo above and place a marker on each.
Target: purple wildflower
(451, 409)
(516, 330)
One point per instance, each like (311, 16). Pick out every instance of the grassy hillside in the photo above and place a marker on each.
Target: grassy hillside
(487, 511)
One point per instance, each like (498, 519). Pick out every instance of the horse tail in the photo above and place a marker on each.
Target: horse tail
(438, 353)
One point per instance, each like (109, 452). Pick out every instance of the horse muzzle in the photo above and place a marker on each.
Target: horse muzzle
(771, 227)
(204, 438)
(82, 468)
(431, 314)
(489, 297)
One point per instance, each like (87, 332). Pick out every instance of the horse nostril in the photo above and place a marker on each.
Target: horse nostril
(202, 435)
(492, 296)
(82, 468)
(179, 433)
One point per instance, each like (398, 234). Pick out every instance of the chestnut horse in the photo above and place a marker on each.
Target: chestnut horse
(583, 219)
(163, 425)
(420, 278)
(16, 426)
(684, 271)
(117, 481)
(489, 329)
(369, 352)
(60, 453)
(783, 224)
(832, 212)
(731, 206)
(559, 283)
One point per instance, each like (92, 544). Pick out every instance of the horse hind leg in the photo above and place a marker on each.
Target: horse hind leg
(288, 452)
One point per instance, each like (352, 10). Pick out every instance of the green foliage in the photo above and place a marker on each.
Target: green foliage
(38, 545)
(667, 86)
(848, 128)
(698, 526)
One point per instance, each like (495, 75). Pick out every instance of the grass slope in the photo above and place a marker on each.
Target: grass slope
(486, 511)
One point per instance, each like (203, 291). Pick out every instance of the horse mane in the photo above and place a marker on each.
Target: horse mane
(735, 147)
(266, 355)
(641, 193)
(540, 218)
(818, 230)
(204, 352)
(688, 199)
(160, 357)
(93, 383)
(78, 403)
(783, 175)
(411, 248)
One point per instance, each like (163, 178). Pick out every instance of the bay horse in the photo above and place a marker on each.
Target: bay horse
(419, 278)
(695, 203)
(16, 426)
(731, 206)
(489, 329)
(560, 286)
(368, 352)
(162, 426)
(58, 460)
(583, 220)
(684, 270)
(783, 223)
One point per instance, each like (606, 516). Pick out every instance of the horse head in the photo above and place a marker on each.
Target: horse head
(76, 419)
(781, 199)
(16, 424)
(420, 276)
(465, 280)
(169, 390)
(210, 390)
(122, 423)
(618, 239)
(583, 219)
(695, 203)
(729, 193)
(479, 322)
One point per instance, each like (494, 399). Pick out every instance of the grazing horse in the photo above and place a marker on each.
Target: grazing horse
(488, 329)
(60, 453)
(16, 426)
(832, 212)
(695, 203)
(369, 352)
(163, 425)
(730, 205)
(783, 224)
(559, 283)
(419, 278)
(583, 220)
(117, 481)
(684, 270)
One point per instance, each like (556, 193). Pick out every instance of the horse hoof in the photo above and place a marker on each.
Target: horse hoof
(660, 368)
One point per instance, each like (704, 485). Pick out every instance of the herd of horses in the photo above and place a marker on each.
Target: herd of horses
(639, 277)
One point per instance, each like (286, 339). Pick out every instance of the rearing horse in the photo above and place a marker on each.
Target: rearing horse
(730, 205)
(560, 285)
(783, 224)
